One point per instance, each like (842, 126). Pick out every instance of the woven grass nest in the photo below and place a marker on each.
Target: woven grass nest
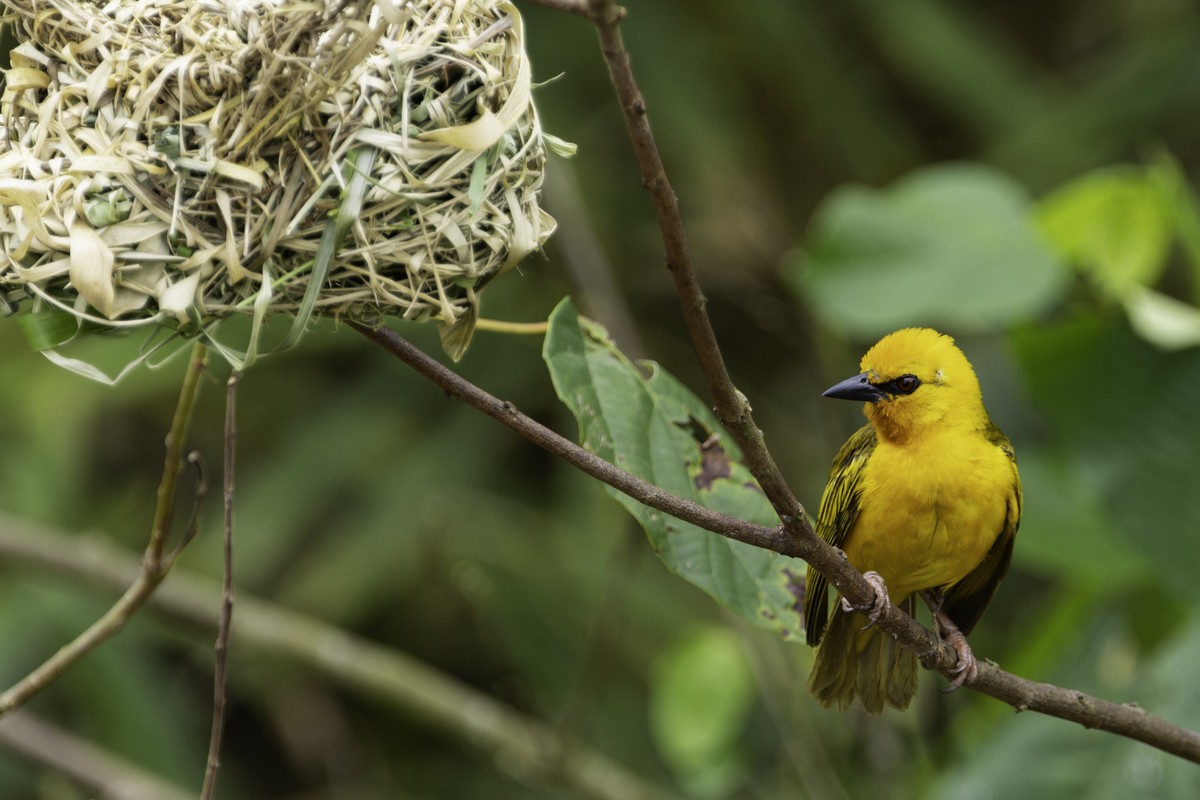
(170, 164)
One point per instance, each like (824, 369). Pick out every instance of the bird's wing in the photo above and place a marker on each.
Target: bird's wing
(839, 510)
(966, 600)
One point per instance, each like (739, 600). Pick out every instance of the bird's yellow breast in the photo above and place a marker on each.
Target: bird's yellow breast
(930, 509)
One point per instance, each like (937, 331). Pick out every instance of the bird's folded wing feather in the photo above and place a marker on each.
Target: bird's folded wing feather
(838, 512)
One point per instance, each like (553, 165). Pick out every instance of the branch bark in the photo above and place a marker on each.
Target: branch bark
(731, 406)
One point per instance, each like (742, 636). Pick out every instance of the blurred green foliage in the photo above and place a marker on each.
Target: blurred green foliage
(367, 498)
(702, 693)
(953, 245)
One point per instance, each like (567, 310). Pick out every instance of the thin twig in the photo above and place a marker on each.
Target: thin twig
(734, 412)
(154, 566)
(504, 326)
(164, 509)
(528, 749)
(731, 406)
(1022, 694)
(222, 646)
(640, 490)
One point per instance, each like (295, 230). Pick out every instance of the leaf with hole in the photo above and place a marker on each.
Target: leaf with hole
(641, 419)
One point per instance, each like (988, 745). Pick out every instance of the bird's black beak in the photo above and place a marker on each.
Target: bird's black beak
(856, 388)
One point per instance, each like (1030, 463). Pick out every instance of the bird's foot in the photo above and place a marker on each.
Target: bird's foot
(882, 603)
(967, 668)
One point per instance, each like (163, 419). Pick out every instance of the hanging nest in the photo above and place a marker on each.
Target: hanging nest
(173, 163)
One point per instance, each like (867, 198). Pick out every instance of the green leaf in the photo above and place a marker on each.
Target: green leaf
(1127, 414)
(48, 329)
(949, 245)
(651, 426)
(701, 694)
(349, 210)
(1114, 224)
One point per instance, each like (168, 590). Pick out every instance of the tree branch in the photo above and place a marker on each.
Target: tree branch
(530, 750)
(640, 490)
(155, 564)
(731, 406)
(1024, 695)
(734, 411)
(796, 536)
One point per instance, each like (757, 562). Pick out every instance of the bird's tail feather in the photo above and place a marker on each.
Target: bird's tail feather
(868, 664)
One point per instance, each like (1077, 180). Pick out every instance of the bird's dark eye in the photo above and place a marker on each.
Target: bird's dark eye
(906, 384)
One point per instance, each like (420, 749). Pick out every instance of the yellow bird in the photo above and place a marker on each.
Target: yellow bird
(925, 500)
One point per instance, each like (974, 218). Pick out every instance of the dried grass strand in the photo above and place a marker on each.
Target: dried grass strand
(149, 147)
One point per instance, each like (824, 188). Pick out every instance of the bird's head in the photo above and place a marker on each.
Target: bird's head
(914, 379)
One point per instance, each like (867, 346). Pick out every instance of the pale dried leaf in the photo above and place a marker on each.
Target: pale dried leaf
(91, 268)
(180, 296)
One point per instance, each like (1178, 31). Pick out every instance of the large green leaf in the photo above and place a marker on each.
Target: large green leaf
(949, 245)
(1112, 223)
(650, 425)
(1117, 225)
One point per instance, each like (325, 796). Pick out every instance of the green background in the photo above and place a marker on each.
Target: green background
(1014, 173)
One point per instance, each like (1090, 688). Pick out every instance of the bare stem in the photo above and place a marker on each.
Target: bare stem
(154, 566)
(731, 405)
(164, 509)
(520, 328)
(640, 490)
(222, 646)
